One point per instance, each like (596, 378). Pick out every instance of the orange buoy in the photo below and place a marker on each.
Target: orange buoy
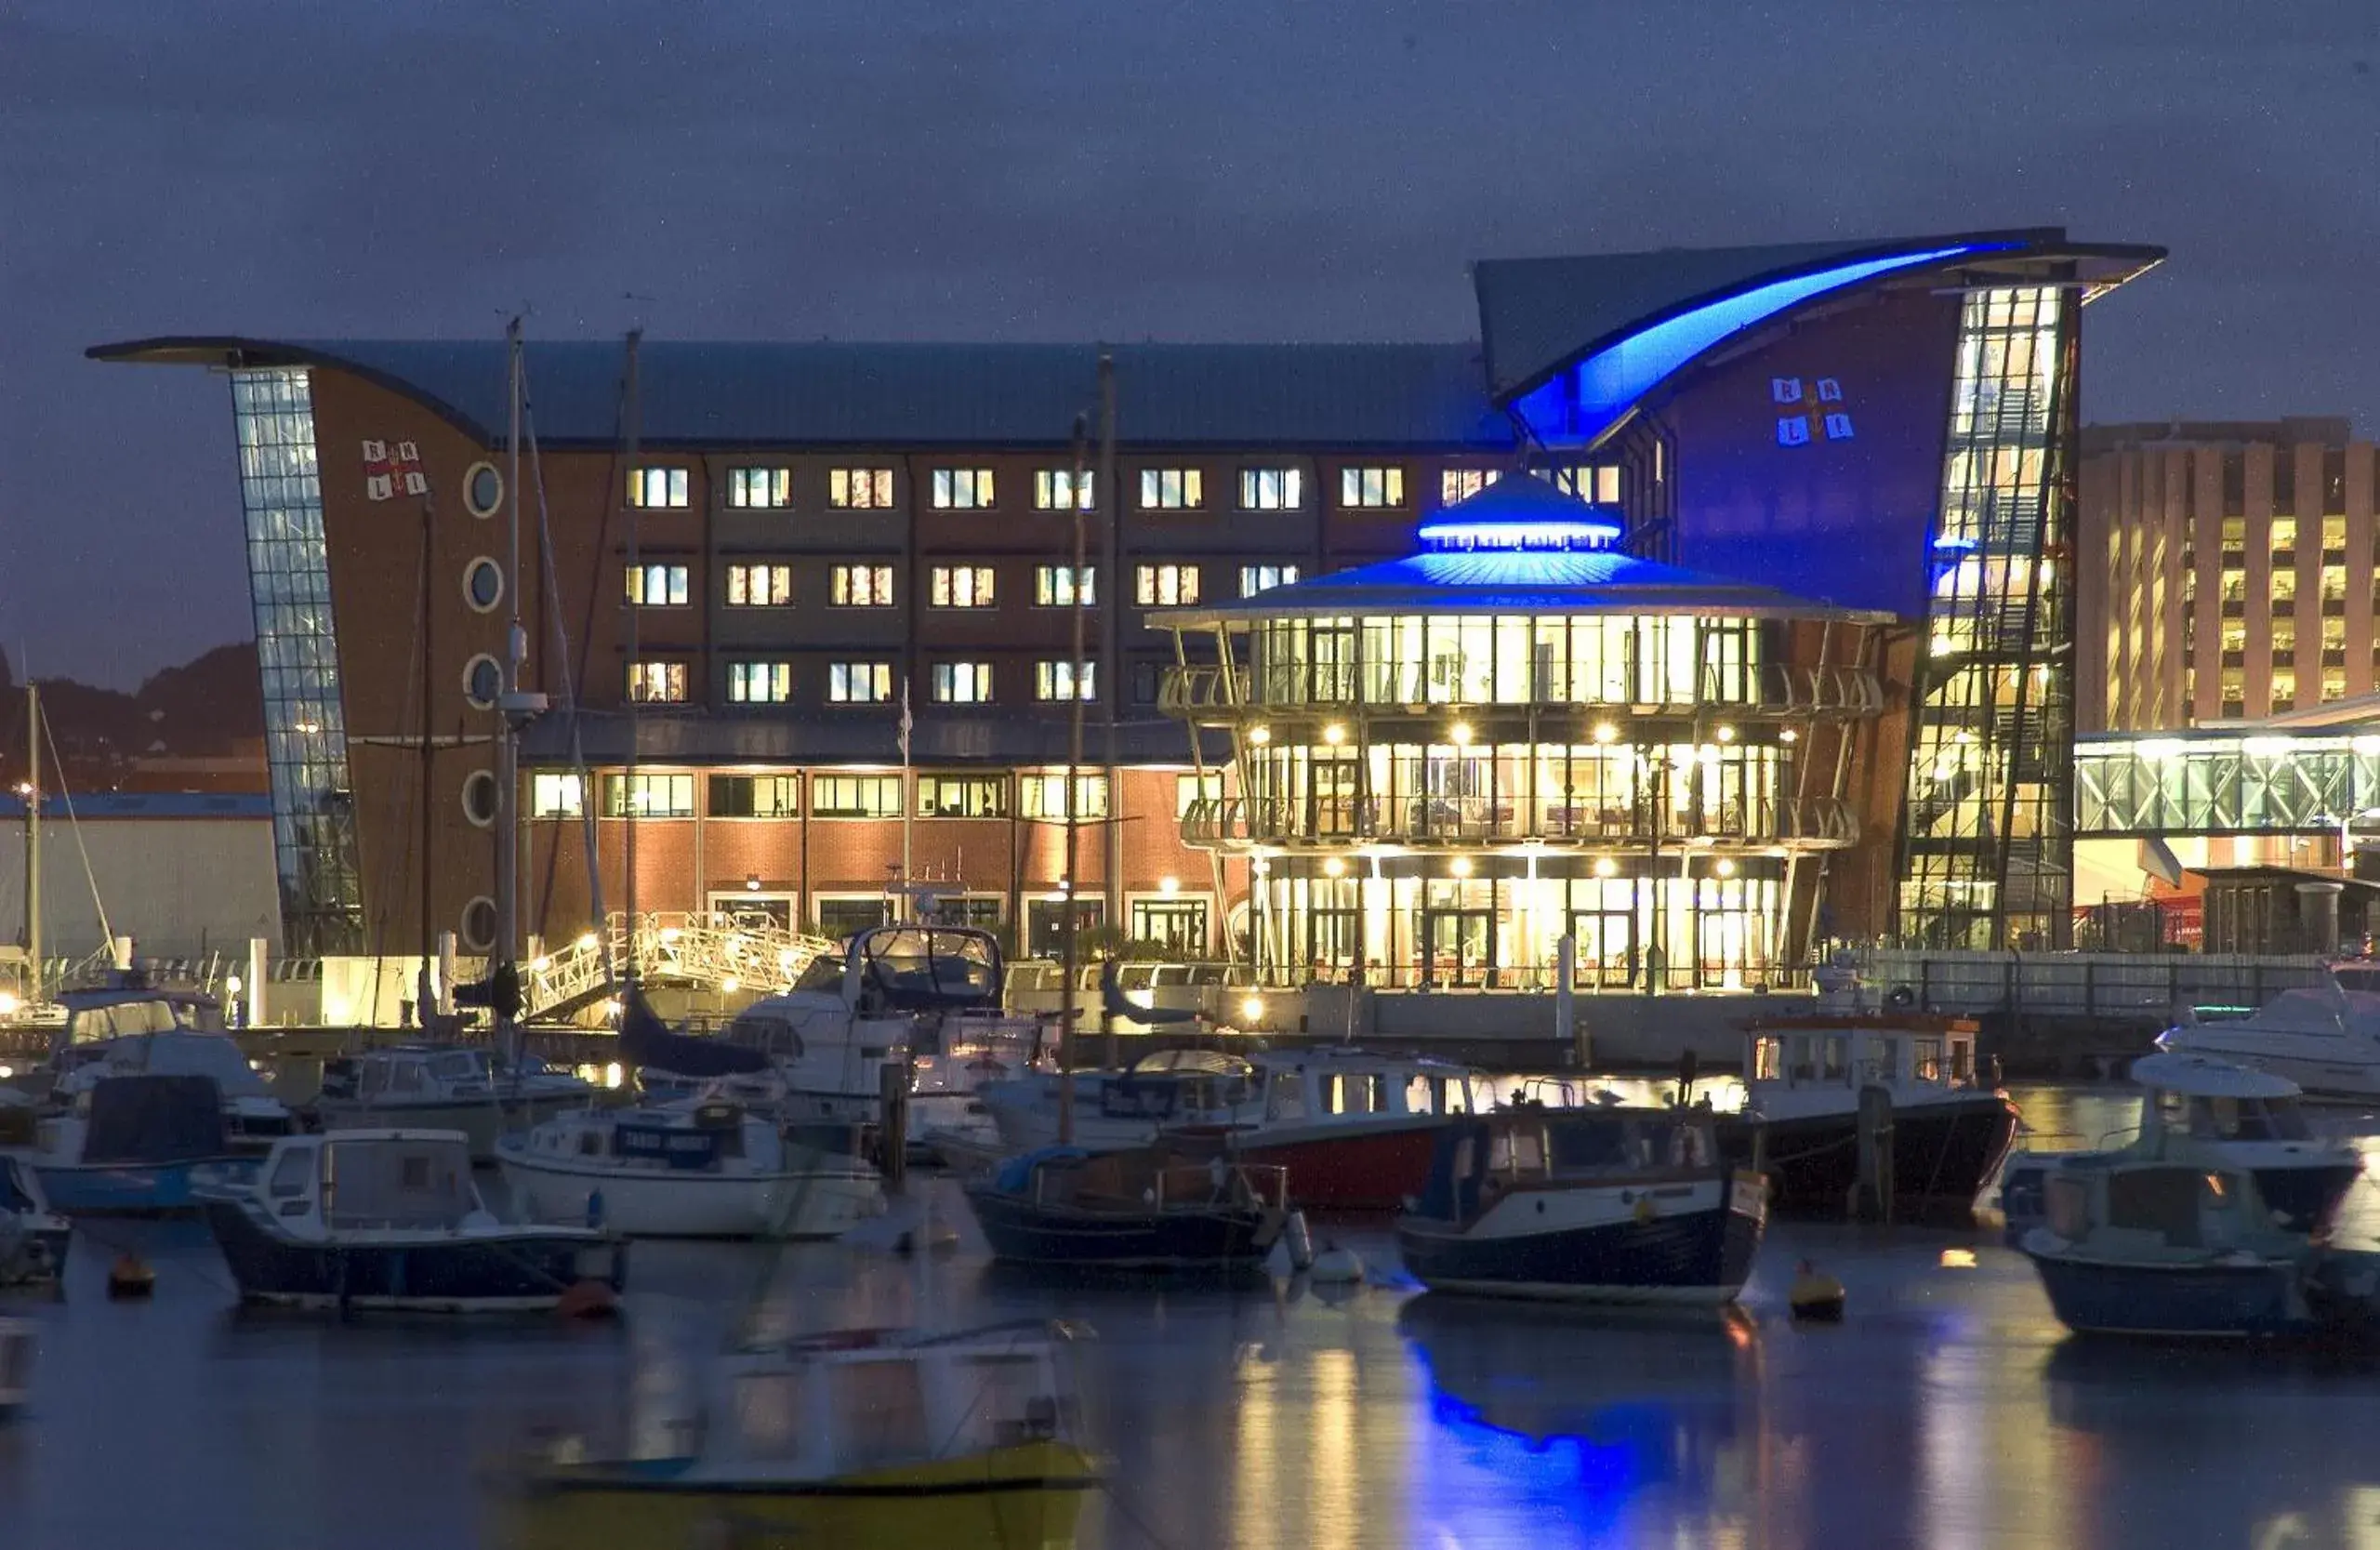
(587, 1299)
(129, 1277)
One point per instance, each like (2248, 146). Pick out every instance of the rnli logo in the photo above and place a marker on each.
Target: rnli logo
(391, 468)
(1808, 411)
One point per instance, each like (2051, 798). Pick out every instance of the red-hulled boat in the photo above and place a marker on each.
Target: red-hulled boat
(1353, 1129)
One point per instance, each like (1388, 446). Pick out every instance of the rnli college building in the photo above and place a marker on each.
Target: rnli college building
(1713, 603)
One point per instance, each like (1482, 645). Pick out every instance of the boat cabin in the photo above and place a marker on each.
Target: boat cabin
(1173, 1084)
(129, 1004)
(2141, 1208)
(695, 1140)
(2193, 1097)
(405, 1073)
(847, 1404)
(367, 1181)
(1478, 1160)
(1307, 1086)
(918, 968)
(1854, 1052)
(1137, 1179)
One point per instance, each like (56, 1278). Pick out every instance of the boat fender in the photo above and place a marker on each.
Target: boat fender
(595, 1209)
(128, 1276)
(588, 1298)
(1815, 1296)
(1336, 1266)
(1644, 1208)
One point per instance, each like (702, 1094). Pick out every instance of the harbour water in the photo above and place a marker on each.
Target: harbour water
(1949, 1409)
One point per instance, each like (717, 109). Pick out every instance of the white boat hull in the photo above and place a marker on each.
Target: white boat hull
(659, 1203)
(2330, 1077)
(483, 1120)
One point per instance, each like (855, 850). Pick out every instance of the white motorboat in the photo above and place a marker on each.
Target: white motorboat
(2208, 1113)
(710, 1169)
(2326, 1039)
(444, 1087)
(16, 1366)
(1114, 1109)
(130, 1027)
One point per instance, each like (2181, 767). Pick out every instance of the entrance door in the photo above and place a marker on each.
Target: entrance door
(1607, 941)
(1334, 663)
(1334, 794)
(1458, 946)
(762, 910)
(1045, 925)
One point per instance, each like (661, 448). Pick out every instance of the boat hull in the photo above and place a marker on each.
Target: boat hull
(518, 1270)
(1347, 1166)
(2303, 1198)
(1944, 1153)
(1025, 1233)
(2207, 1299)
(483, 1120)
(691, 1204)
(1029, 1494)
(1589, 1251)
(98, 1189)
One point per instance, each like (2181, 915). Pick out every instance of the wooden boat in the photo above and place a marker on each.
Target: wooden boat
(1145, 1208)
(1591, 1205)
(863, 1440)
(388, 1219)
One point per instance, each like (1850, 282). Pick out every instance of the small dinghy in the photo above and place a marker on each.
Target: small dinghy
(1148, 1208)
(388, 1219)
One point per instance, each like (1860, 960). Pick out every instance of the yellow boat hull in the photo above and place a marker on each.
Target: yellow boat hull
(1025, 1497)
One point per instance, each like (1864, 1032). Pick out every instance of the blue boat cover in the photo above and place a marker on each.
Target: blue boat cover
(1016, 1174)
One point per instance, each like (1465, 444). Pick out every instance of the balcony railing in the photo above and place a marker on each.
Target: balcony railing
(1245, 823)
(1775, 689)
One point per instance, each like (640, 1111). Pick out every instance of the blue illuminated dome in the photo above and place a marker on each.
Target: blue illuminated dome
(1522, 514)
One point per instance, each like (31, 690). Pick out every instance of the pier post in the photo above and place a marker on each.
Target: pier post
(892, 1124)
(1872, 1191)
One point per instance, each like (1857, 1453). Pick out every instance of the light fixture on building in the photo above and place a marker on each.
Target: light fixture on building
(1606, 732)
(1788, 736)
(2366, 746)
(1251, 1008)
(1460, 865)
(730, 985)
(751, 882)
(1607, 867)
(585, 941)
(1334, 866)
(541, 965)
(1260, 736)
(1459, 734)
(1724, 732)
(1334, 734)
(1725, 868)
(671, 933)
(230, 985)
(1169, 886)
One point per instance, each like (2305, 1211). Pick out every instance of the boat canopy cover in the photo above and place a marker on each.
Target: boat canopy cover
(1016, 1174)
(187, 1054)
(646, 1040)
(1205, 1063)
(154, 1119)
(2201, 1075)
(408, 1181)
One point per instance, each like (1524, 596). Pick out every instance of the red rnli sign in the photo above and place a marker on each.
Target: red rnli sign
(391, 468)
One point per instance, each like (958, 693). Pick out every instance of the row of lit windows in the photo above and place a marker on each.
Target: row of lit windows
(671, 795)
(1363, 487)
(771, 682)
(768, 585)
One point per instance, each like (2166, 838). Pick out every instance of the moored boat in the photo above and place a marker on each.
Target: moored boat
(129, 1026)
(16, 1366)
(1163, 1089)
(34, 1239)
(129, 1144)
(2326, 1039)
(702, 1169)
(863, 1440)
(1353, 1131)
(1590, 1205)
(1140, 1208)
(388, 1219)
(444, 1087)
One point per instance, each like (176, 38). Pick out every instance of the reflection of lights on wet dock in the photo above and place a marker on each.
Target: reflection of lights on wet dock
(1958, 1259)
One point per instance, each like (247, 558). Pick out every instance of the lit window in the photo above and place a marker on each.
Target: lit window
(861, 587)
(962, 489)
(962, 682)
(656, 586)
(1044, 795)
(649, 796)
(759, 585)
(1163, 586)
(1172, 489)
(1063, 680)
(760, 682)
(658, 683)
(2334, 583)
(1590, 481)
(2284, 585)
(962, 796)
(1178, 925)
(743, 796)
(859, 682)
(1192, 789)
(1376, 487)
(1264, 578)
(1462, 484)
(1064, 585)
(860, 489)
(854, 796)
(2284, 689)
(1271, 489)
(961, 586)
(1051, 487)
(2333, 683)
(557, 796)
(658, 489)
(2283, 540)
(759, 489)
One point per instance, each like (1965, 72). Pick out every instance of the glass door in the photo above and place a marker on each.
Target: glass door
(1458, 946)
(1607, 940)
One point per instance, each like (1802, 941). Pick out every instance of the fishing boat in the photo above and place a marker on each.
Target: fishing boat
(444, 1087)
(388, 1219)
(1161, 1090)
(1143, 1208)
(2325, 1039)
(2200, 1111)
(2142, 1246)
(16, 1366)
(1591, 1205)
(1803, 1080)
(862, 1440)
(34, 1239)
(710, 1169)
(129, 1144)
(1353, 1130)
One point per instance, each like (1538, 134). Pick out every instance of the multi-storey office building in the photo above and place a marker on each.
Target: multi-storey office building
(824, 531)
(2230, 571)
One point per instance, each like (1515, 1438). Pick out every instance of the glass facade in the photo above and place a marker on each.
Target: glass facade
(1985, 843)
(313, 811)
(2219, 783)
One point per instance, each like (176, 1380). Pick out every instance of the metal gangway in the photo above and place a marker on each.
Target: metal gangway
(712, 949)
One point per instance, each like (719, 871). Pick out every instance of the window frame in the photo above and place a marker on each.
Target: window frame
(983, 491)
(677, 487)
(880, 673)
(677, 584)
(847, 483)
(739, 575)
(778, 670)
(1082, 679)
(778, 495)
(943, 589)
(1352, 482)
(978, 673)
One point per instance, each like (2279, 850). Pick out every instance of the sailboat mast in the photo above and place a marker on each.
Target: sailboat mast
(426, 997)
(32, 841)
(629, 803)
(1070, 926)
(507, 749)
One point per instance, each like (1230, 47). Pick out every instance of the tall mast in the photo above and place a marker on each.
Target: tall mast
(1111, 663)
(636, 686)
(508, 749)
(425, 992)
(1069, 927)
(33, 840)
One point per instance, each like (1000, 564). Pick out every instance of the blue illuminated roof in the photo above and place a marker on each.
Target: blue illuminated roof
(1521, 512)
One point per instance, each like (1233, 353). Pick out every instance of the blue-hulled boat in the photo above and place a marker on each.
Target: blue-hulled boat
(129, 1144)
(1143, 1208)
(1598, 1205)
(388, 1219)
(34, 1239)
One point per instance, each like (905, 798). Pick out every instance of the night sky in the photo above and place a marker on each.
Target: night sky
(1039, 170)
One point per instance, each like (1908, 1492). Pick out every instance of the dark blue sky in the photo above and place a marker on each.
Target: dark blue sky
(1047, 169)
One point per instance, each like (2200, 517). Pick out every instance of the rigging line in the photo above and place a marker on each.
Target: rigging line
(66, 795)
(571, 677)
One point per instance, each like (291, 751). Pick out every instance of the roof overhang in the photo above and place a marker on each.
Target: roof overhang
(232, 352)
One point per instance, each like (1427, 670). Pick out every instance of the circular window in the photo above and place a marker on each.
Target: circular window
(478, 925)
(482, 680)
(483, 490)
(479, 797)
(483, 584)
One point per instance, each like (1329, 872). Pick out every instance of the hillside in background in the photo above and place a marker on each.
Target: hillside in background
(196, 727)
